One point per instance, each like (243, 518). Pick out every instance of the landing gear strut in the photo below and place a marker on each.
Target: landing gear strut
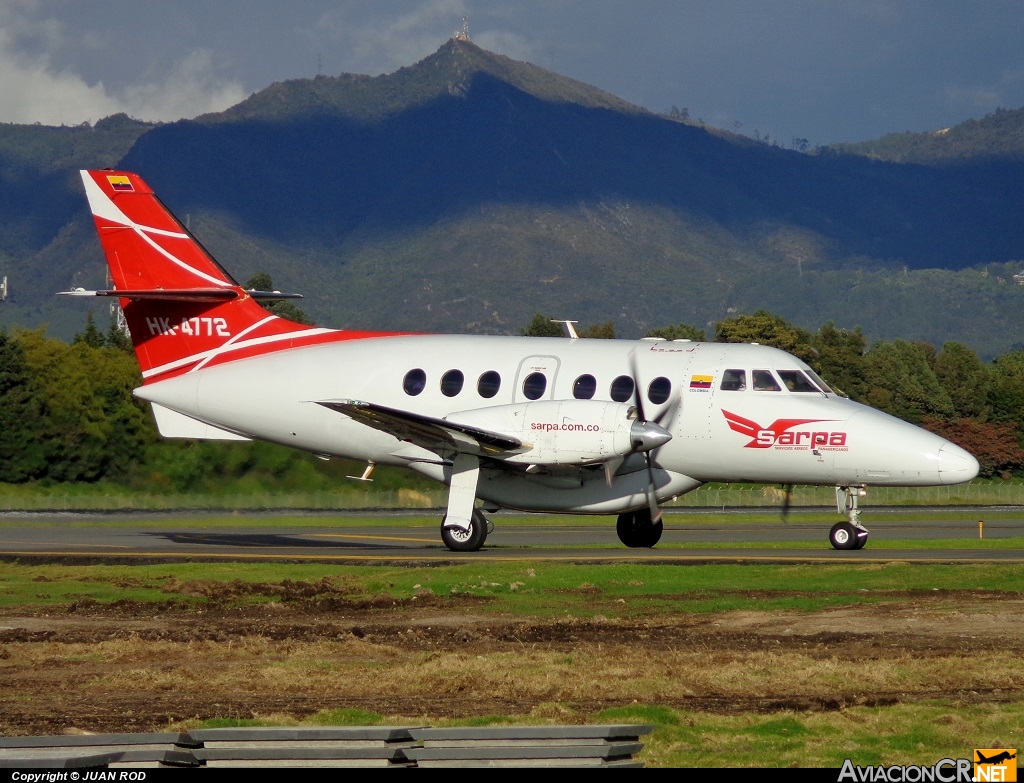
(459, 540)
(850, 534)
(636, 529)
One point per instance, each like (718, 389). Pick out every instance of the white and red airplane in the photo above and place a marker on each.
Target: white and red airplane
(538, 424)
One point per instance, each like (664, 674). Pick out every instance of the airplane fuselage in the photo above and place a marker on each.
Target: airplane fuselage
(719, 432)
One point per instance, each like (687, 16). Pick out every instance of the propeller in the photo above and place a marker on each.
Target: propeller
(787, 502)
(647, 435)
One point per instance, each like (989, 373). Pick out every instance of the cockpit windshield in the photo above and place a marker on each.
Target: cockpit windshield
(796, 381)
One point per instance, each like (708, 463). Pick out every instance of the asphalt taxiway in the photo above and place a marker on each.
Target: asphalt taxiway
(169, 537)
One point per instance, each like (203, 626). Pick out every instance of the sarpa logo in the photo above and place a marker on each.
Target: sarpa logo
(995, 764)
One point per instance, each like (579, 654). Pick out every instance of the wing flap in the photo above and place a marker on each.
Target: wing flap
(437, 435)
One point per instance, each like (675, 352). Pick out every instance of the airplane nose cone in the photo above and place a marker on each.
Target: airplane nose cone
(956, 465)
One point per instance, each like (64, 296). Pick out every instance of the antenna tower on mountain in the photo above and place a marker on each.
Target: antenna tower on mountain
(463, 34)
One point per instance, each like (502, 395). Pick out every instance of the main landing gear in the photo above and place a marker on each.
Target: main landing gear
(636, 529)
(850, 534)
(459, 540)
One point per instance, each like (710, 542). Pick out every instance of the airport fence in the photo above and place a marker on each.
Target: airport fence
(711, 496)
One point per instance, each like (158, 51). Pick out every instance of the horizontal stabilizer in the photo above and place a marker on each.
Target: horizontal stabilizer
(437, 435)
(180, 294)
(177, 425)
(162, 294)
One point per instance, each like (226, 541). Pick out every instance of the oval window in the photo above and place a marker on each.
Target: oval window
(622, 388)
(659, 390)
(415, 381)
(584, 387)
(488, 384)
(534, 385)
(451, 383)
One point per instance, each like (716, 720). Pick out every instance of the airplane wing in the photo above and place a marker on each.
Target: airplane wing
(438, 435)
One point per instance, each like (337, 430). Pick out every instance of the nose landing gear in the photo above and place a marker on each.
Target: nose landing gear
(850, 534)
(637, 529)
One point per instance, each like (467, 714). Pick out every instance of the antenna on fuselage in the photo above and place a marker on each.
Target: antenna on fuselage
(569, 327)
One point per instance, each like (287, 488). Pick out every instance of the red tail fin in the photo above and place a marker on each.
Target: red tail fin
(183, 310)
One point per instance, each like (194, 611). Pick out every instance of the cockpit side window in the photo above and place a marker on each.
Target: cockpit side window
(734, 380)
(796, 381)
(819, 382)
(765, 381)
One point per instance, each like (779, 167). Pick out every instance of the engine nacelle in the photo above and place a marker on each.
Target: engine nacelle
(568, 432)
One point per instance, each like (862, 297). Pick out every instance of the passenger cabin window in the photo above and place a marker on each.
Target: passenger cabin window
(796, 381)
(584, 387)
(415, 381)
(534, 385)
(734, 380)
(659, 390)
(622, 388)
(765, 381)
(451, 383)
(488, 384)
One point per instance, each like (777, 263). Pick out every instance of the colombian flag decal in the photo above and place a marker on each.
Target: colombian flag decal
(700, 381)
(120, 182)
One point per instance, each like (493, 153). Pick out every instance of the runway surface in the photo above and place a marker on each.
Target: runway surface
(163, 537)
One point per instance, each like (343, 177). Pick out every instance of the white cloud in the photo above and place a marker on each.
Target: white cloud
(35, 91)
(376, 43)
(189, 89)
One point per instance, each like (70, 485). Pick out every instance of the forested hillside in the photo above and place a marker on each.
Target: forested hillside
(998, 136)
(467, 191)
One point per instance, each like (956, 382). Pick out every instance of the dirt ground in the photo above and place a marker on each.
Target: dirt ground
(145, 667)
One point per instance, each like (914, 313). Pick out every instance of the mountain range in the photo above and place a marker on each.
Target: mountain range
(469, 191)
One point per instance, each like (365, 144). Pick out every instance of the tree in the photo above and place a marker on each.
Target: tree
(117, 339)
(840, 359)
(899, 381)
(91, 336)
(995, 446)
(678, 332)
(965, 378)
(260, 281)
(767, 329)
(542, 326)
(90, 425)
(1006, 388)
(22, 456)
(282, 308)
(605, 331)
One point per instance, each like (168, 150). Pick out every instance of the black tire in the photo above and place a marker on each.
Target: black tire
(843, 536)
(458, 540)
(636, 530)
(862, 539)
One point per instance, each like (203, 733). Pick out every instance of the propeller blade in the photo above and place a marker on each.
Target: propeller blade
(635, 374)
(787, 501)
(611, 469)
(646, 437)
(652, 496)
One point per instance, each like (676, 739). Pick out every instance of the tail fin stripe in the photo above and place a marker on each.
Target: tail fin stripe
(102, 206)
(213, 353)
(141, 231)
(227, 346)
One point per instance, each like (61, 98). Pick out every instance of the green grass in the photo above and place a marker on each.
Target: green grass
(519, 587)
(400, 490)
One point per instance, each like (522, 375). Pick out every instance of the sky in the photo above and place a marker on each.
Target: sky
(822, 70)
